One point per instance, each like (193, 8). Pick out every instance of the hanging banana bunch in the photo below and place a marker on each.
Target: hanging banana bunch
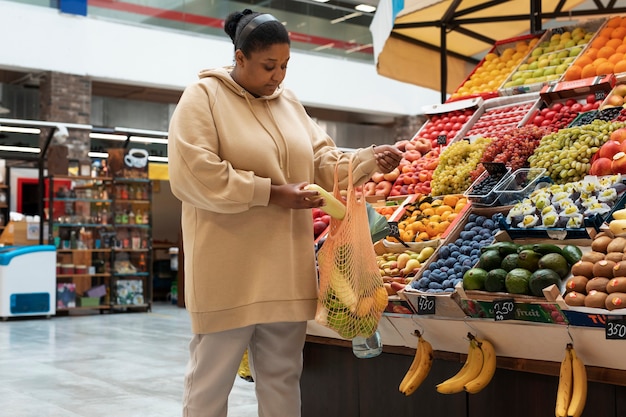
(420, 367)
(571, 393)
(477, 371)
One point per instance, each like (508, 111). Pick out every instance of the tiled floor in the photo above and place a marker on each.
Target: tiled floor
(97, 365)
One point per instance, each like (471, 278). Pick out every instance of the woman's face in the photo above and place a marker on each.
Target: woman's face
(263, 72)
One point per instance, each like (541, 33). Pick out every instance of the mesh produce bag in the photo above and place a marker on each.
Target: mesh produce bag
(351, 297)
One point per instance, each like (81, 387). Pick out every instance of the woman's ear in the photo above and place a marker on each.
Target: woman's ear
(239, 57)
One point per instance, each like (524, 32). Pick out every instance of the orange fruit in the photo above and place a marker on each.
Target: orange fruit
(422, 236)
(583, 60)
(599, 42)
(616, 57)
(450, 200)
(621, 48)
(574, 73)
(599, 61)
(605, 68)
(623, 23)
(587, 71)
(614, 43)
(442, 209)
(592, 53)
(614, 22)
(618, 33)
(620, 66)
(606, 32)
(605, 52)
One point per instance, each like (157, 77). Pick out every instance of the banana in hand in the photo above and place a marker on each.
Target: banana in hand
(420, 367)
(488, 369)
(470, 370)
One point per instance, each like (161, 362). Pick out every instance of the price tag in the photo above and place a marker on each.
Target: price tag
(393, 229)
(558, 30)
(600, 95)
(616, 328)
(504, 309)
(426, 304)
(442, 140)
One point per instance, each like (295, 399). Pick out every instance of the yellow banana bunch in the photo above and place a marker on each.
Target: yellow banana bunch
(488, 369)
(468, 372)
(420, 367)
(571, 394)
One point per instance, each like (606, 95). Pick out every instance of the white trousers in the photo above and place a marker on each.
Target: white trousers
(275, 355)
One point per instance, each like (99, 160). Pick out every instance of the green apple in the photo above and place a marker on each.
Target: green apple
(575, 51)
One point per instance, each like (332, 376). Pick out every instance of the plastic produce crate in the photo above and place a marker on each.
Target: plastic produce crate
(520, 184)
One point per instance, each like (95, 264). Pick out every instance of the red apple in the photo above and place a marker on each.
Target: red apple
(601, 166)
(318, 227)
(609, 149)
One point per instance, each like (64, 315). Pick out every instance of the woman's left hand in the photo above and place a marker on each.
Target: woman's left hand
(388, 157)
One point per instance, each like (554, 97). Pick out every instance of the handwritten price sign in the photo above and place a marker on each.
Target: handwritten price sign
(426, 305)
(616, 328)
(504, 309)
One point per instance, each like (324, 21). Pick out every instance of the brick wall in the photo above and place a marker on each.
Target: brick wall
(67, 98)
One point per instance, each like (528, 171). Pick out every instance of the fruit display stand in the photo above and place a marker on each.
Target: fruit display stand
(499, 114)
(489, 75)
(551, 57)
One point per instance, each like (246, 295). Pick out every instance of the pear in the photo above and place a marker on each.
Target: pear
(617, 226)
(619, 214)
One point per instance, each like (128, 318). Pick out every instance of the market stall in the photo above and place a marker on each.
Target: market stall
(509, 234)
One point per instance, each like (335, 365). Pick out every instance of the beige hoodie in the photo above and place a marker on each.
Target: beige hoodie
(246, 261)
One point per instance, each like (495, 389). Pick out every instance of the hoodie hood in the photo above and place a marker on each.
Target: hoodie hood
(223, 74)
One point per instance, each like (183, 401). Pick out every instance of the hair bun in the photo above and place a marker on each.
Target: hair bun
(232, 21)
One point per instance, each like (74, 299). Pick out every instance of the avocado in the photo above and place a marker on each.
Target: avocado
(509, 262)
(541, 279)
(490, 259)
(495, 280)
(555, 262)
(474, 279)
(517, 280)
(571, 253)
(529, 259)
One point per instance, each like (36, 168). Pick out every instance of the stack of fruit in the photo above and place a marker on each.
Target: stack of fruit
(605, 55)
(604, 161)
(445, 127)
(617, 97)
(599, 278)
(398, 268)
(560, 114)
(551, 57)
(456, 257)
(497, 65)
(499, 119)
(428, 218)
(456, 162)
(521, 269)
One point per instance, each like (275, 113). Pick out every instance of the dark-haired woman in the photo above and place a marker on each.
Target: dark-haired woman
(241, 151)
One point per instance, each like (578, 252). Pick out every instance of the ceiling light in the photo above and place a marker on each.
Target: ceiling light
(321, 1)
(93, 154)
(25, 149)
(106, 136)
(144, 139)
(365, 8)
(13, 129)
(154, 158)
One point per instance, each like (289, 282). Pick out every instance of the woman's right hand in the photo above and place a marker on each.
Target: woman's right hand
(294, 196)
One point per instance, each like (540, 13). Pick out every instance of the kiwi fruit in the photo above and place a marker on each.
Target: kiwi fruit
(577, 283)
(574, 298)
(613, 256)
(616, 245)
(597, 283)
(614, 301)
(606, 232)
(595, 299)
(619, 270)
(603, 268)
(594, 256)
(600, 244)
(584, 268)
(616, 285)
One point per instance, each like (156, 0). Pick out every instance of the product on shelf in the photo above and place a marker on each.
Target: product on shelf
(449, 121)
(567, 153)
(551, 58)
(512, 147)
(605, 53)
(488, 76)
(499, 119)
(456, 162)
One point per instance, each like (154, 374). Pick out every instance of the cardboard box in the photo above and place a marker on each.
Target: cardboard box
(88, 301)
(578, 88)
(20, 233)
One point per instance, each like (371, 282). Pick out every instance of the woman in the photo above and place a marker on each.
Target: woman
(241, 151)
